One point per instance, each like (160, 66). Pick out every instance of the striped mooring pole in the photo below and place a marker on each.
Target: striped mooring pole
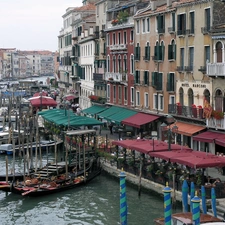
(167, 205)
(196, 209)
(123, 199)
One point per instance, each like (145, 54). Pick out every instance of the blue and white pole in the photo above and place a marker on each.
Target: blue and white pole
(123, 199)
(196, 209)
(167, 205)
(213, 201)
(192, 194)
(203, 194)
(185, 196)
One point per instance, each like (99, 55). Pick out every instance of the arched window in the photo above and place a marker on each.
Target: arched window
(207, 95)
(219, 52)
(162, 50)
(108, 64)
(190, 97)
(181, 96)
(132, 64)
(219, 100)
(119, 64)
(125, 63)
(114, 63)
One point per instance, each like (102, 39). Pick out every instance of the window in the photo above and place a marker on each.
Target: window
(161, 102)
(146, 100)
(146, 77)
(137, 52)
(108, 64)
(191, 58)
(143, 25)
(132, 64)
(114, 63)
(131, 35)
(119, 38)
(159, 51)
(124, 62)
(181, 24)
(192, 22)
(137, 77)
(137, 98)
(114, 92)
(119, 64)
(114, 38)
(172, 100)
(160, 24)
(148, 25)
(125, 37)
(132, 95)
(172, 51)
(108, 91)
(125, 93)
(170, 82)
(97, 10)
(207, 19)
(147, 52)
(155, 101)
(157, 80)
(120, 93)
(207, 54)
(182, 58)
(172, 28)
(108, 40)
(138, 26)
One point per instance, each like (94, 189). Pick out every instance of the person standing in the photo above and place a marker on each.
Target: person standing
(110, 128)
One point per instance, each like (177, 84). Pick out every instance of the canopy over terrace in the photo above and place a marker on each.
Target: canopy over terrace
(68, 118)
(145, 146)
(94, 110)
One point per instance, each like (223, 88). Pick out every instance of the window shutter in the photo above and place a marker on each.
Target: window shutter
(173, 21)
(139, 77)
(175, 52)
(170, 52)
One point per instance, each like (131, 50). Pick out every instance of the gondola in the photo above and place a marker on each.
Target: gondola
(59, 184)
(5, 186)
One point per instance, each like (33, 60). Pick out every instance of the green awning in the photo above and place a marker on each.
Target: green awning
(121, 115)
(65, 118)
(108, 112)
(94, 110)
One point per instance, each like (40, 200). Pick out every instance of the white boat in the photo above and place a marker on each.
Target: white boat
(6, 148)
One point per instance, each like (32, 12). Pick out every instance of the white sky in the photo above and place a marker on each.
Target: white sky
(32, 25)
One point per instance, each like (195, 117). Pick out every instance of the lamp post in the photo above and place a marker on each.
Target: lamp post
(166, 126)
(41, 93)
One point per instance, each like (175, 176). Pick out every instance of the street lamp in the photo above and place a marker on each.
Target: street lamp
(166, 126)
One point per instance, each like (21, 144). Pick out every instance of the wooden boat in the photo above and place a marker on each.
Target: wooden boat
(186, 219)
(55, 186)
(5, 186)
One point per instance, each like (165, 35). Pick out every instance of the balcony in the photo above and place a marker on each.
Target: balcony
(145, 83)
(180, 68)
(216, 123)
(129, 22)
(97, 76)
(215, 69)
(118, 47)
(202, 69)
(181, 32)
(185, 111)
(115, 77)
(188, 69)
(146, 58)
(161, 30)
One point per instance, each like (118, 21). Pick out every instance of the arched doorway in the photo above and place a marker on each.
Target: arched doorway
(219, 47)
(219, 100)
(207, 95)
(181, 96)
(190, 97)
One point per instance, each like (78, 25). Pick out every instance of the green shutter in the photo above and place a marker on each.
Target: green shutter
(170, 52)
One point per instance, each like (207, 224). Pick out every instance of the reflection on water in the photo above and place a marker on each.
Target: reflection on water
(96, 203)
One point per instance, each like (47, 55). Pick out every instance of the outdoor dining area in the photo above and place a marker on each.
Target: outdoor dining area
(153, 160)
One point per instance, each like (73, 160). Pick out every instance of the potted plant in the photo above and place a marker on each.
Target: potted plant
(200, 111)
(218, 115)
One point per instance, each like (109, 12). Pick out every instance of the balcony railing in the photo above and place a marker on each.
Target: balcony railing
(188, 68)
(180, 68)
(109, 76)
(171, 30)
(97, 76)
(202, 69)
(215, 69)
(185, 111)
(129, 22)
(205, 30)
(215, 123)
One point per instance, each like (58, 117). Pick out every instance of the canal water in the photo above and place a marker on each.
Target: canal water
(96, 203)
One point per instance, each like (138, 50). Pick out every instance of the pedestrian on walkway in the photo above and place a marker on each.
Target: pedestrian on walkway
(111, 128)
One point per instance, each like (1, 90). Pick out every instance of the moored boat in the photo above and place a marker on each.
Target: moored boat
(59, 184)
(185, 218)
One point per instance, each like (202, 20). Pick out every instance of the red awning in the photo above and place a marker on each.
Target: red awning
(209, 136)
(146, 146)
(171, 154)
(188, 129)
(42, 101)
(220, 142)
(139, 119)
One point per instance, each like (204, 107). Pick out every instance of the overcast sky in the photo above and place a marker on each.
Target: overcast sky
(32, 25)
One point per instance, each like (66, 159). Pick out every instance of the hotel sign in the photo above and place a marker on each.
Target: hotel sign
(194, 85)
